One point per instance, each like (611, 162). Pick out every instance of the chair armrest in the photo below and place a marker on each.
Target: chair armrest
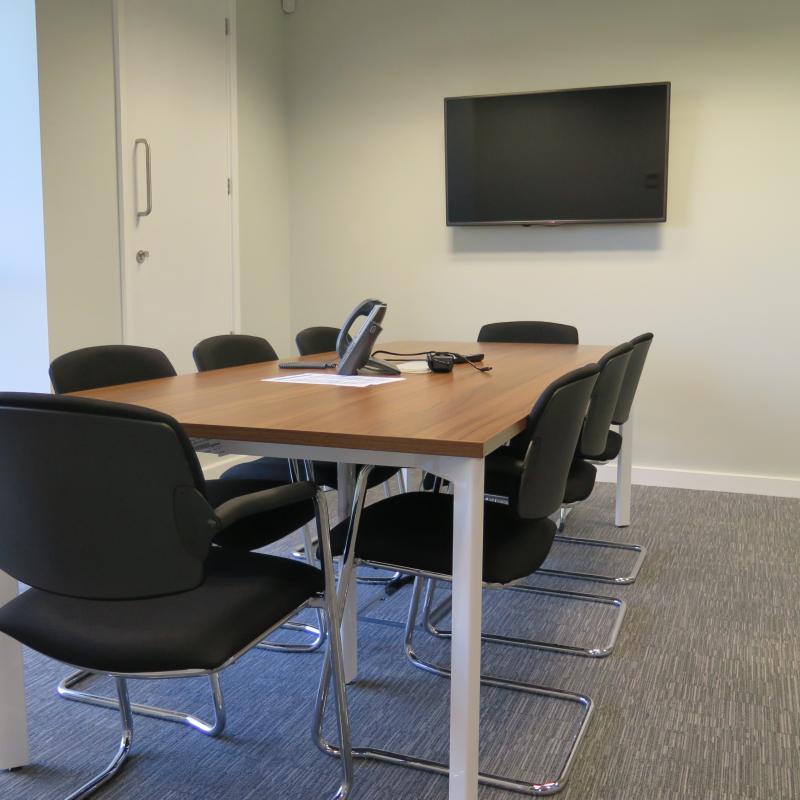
(267, 500)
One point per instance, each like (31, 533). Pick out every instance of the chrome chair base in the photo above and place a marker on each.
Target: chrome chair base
(367, 580)
(486, 778)
(432, 615)
(215, 728)
(317, 634)
(333, 671)
(126, 739)
(619, 580)
(306, 553)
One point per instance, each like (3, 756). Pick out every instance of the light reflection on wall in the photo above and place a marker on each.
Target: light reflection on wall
(23, 296)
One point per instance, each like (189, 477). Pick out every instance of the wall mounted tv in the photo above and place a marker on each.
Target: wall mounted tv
(551, 158)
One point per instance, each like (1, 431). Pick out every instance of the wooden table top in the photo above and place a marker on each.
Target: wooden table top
(463, 413)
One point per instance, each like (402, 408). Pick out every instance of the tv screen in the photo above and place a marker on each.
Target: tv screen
(580, 155)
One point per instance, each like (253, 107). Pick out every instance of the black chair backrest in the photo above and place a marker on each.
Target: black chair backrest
(641, 346)
(320, 339)
(232, 350)
(529, 333)
(108, 365)
(100, 500)
(553, 428)
(613, 366)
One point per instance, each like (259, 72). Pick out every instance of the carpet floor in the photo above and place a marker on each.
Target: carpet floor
(701, 698)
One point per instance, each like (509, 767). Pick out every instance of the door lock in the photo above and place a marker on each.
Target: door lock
(141, 255)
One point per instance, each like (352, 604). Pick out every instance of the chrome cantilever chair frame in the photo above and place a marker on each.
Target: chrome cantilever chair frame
(432, 615)
(563, 513)
(123, 751)
(333, 668)
(618, 580)
(622, 417)
(317, 632)
(403, 759)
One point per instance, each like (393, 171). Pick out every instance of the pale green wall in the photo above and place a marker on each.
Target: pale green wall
(718, 283)
(79, 167)
(263, 173)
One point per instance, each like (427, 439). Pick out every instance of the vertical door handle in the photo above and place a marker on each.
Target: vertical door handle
(148, 176)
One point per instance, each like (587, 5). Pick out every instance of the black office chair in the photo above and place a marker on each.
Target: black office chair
(319, 339)
(413, 533)
(600, 450)
(627, 393)
(503, 470)
(529, 333)
(232, 350)
(108, 365)
(504, 466)
(612, 445)
(107, 517)
(582, 475)
(111, 365)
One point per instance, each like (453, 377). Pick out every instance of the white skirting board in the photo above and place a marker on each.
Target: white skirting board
(214, 466)
(769, 485)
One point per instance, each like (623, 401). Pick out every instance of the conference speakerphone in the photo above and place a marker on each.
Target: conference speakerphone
(439, 361)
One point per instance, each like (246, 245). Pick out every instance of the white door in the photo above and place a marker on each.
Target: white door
(173, 81)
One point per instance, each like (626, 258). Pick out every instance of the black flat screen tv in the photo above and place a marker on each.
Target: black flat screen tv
(552, 158)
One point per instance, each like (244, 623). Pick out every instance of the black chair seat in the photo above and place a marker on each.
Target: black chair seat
(277, 469)
(580, 481)
(613, 446)
(256, 530)
(242, 596)
(273, 470)
(415, 531)
(504, 469)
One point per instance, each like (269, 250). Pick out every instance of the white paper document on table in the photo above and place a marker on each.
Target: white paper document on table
(357, 381)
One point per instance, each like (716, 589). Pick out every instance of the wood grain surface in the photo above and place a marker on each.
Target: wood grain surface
(463, 413)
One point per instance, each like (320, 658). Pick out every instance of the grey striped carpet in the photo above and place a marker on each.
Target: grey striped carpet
(701, 699)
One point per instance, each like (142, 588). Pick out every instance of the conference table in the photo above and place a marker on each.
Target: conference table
(445, 424)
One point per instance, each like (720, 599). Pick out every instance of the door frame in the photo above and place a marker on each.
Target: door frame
(233, 156)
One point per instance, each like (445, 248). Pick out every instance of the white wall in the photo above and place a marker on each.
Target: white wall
(718, 283)
(263, 173)
(76, 84)
(76, 66)
(23, 310)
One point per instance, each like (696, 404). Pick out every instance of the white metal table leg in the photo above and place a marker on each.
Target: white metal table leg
(623, 510)
(13, 717)
(346, 479)
(465, 690)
